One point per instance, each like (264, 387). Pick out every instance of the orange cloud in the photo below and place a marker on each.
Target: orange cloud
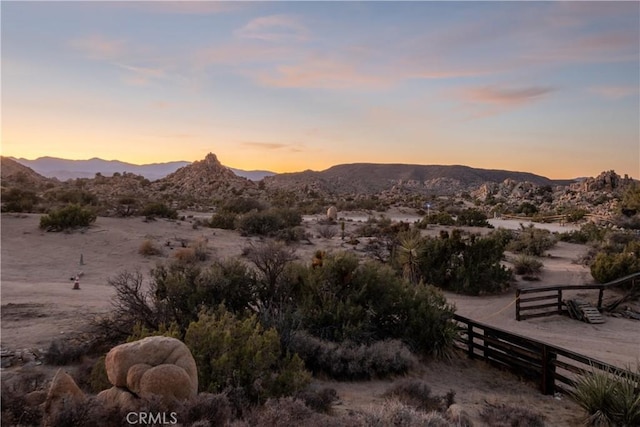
(504, 96)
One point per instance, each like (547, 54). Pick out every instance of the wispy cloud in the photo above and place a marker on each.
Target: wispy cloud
(270, 146)
(503, 95)
(614, 92)
(324, 73)
(274, 28)
(140, 76)
(99, 47)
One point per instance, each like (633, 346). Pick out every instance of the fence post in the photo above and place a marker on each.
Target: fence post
(600, 295)
(548, 371)
(470, 339)
(518, 305)
(559, 301)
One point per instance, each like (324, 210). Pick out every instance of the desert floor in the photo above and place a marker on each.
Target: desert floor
(39, 305)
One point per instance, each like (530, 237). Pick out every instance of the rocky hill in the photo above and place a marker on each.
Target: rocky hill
(13, 174)
(367, 178)
(202, 181)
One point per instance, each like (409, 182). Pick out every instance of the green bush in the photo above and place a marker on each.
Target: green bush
(527, 209)
(18, 200)
(473, 218)
(607, 267)
(225, 220)
(344, 300)
(158, 209)
(98, 379)
(470, 265)
(71, 216)
(441, 218)
(241, 205)
(232, 353)
(267, 223)
(532, 241)
(527, 265)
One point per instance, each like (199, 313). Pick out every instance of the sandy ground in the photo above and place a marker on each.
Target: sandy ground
(39, 305)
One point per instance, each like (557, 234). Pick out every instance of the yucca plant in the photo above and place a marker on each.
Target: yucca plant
(609, 399)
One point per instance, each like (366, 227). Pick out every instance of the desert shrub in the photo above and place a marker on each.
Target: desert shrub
(76, 196)
(98, 379)
(159, 209)
(416, 393)
(86, 413)
(290, 412)
(16, 409)
(527, 209)
(71, 216)
(345, 300)
(291, 234)
(225, 220)
(215, 409)
(395, 413)
(607, 267)
(470, 266)
(148, 248)
(185, 255)
(241, 205)
(266, 223)
(575, 214)
(441, 218)
(200, 249)
(350, 361)
(473, 218)
(532, 241)
(526, 264)
(19, 200)
(511, 416)
(65, 352)
(231, 353)
(259, 223)
(327, 231)
(588, 233)
(318, 400)
(127, 206)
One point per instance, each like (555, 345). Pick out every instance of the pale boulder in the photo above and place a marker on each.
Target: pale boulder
(332, 213)
(119, 398)
(131, 365)
(62, 388)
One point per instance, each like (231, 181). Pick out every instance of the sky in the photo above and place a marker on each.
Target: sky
(545, 87)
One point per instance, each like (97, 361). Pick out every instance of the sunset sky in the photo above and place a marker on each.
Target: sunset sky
(544, 87)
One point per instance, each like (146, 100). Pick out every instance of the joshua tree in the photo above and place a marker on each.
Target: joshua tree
(408, 249)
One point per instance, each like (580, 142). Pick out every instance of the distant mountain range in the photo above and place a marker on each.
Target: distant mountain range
(64, 169)
(371, 178)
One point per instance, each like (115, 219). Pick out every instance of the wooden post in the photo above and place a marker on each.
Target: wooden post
(600, 295)
(559, 301)
(518, 305)
(470, 339)
(548, 383)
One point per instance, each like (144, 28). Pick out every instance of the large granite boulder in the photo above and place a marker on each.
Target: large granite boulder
(160, 366)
